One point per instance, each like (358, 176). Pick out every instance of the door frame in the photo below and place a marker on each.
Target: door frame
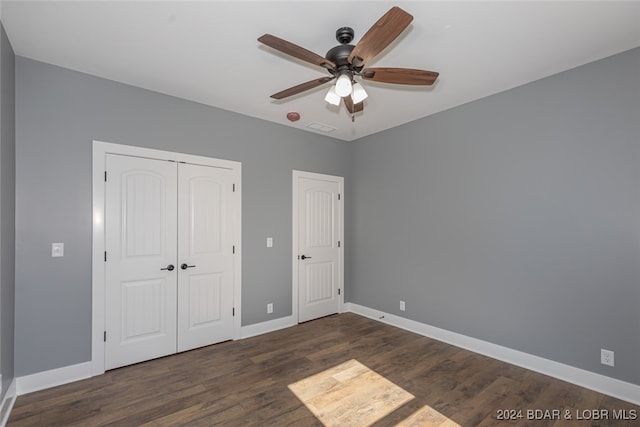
(98, 270)
(296, 175)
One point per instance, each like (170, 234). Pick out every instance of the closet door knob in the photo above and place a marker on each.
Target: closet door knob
(169, 267)
(185, 266)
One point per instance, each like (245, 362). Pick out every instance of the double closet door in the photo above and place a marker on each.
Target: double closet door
(169, 258)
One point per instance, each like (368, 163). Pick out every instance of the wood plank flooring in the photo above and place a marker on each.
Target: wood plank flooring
(246, 383)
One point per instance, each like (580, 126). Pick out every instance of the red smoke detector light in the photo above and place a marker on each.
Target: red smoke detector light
(293, 116)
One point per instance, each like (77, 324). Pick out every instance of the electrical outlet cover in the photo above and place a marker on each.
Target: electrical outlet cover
(607, 357)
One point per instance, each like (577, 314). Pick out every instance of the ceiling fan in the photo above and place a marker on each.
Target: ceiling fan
(346, 61)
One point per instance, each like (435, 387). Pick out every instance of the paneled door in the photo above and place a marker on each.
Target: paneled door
(141, 275)
(319, 248)
(205, 253)
(169, 265)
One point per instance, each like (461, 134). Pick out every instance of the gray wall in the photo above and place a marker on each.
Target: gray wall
(514, 219)
(7, 209)
(59, 112)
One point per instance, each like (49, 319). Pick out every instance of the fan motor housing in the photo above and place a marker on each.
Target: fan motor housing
(339, 55)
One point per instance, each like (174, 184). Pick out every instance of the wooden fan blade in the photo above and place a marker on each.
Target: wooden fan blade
(301, 87)
(351, 107)
(403, 76)
(380, 35)
(296, 51)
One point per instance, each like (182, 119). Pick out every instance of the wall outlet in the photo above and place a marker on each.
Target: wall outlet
(402, 306)
(606, 357)
(270, 308)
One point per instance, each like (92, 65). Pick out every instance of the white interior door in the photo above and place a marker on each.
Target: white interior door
(141, 219)
(205, 253)
(319, 252)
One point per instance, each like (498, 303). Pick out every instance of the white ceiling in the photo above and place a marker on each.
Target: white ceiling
(207, 51)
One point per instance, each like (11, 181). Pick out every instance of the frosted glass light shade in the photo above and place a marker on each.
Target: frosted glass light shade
(332, 97)
(358, 94)
(343, 85)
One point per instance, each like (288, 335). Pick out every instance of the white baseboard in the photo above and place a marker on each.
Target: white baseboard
(266, 327)
(600, 383)
(68, 374)
(52, 378)
(7, 403)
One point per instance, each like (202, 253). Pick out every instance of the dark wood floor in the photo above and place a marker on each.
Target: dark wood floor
(244, 383)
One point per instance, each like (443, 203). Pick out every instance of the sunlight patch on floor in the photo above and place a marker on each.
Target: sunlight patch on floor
(427, 417)
(349, 394)
(352, 395)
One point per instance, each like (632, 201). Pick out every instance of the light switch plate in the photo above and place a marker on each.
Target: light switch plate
(57, 249)
(269, 242)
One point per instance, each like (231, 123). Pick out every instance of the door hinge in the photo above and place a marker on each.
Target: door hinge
(234, 188)
(233, 249)
(338, 196)
(105, 256)
(233, 311)
(338, 243)
(105, 176)
(105, 336)
(338, 291)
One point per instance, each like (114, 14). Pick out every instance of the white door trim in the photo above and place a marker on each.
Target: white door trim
(295, 243)
(100, 151)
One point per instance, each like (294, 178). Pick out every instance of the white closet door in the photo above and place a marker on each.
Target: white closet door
(205, 256)
(141, 275)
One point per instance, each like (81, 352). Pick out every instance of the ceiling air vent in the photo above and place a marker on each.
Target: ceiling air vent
(320, 127)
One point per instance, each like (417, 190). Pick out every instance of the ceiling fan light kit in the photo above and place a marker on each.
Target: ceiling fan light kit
(345, 61)
(355, 91)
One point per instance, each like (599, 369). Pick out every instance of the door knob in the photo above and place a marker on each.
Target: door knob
(185, 266)
(305, 257)
(169, 267)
